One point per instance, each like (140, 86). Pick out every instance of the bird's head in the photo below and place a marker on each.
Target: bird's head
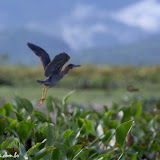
(71, 66)
(67, 68)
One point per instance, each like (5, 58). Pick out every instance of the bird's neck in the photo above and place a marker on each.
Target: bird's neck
(65, 71)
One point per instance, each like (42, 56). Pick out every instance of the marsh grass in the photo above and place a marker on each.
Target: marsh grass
(94, 84)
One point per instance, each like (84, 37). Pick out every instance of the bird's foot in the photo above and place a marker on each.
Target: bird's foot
(41, 101)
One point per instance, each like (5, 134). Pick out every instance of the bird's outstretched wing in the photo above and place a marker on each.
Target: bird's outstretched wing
(55, 66)
(44, 57)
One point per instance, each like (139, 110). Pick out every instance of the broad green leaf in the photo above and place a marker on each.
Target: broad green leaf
(41, 116)
(48, 130)
(69, 137)
(122, 131)
(9, 120)
(73, 137)
(57, 154)
(19, 105)
(134, 157)
(74, 149)
(39, 136)
(9, 142)
(107, 116)
(49, 104)
(81, 122)
(82, 154)
(34, 148)
(126, 114)
(85, 113)
(107, 137)
(3, 125)
(26, 104)
(2, 111)
(20, 146)
(63, 147)
(9, 108)
(43, 152)
(136, 109)
(105, 156)
(90, 127)
(113, 124)
(13, 124)
(18, 115)
(77, 112)
(67, 133)
(24, 128)
(65, 98)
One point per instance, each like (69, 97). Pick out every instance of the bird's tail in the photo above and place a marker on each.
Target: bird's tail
(41, 82)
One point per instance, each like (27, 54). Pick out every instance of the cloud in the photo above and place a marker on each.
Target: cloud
(81, 25)
(85, 25)
(77, 28)
(50, 29)
(3, 20)
(81, 36)
(82, 11)
(144, 14)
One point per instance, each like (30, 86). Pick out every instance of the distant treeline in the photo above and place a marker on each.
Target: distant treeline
(87, 76)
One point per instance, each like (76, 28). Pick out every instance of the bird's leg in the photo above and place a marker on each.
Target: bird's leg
(45, 92)
(43, 98)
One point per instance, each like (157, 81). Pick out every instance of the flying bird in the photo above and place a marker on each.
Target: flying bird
(52, 69)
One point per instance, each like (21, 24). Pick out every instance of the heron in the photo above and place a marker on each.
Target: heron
(52, 69)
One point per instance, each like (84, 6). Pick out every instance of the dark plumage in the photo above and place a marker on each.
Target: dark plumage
(52, 69)
(42, 54)
(55, 66)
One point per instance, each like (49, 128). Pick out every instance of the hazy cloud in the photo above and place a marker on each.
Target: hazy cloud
(83, 24)
(82, 12)
(3, 20)
(77, 28)
(50, 29)
(144, 14)
(81, 36)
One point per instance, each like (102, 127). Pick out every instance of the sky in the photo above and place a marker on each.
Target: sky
(83, 23)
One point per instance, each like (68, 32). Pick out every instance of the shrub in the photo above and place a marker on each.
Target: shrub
(66, 131)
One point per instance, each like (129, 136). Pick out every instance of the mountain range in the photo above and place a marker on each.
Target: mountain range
(14, 44)
(142, 52)
(146, 51)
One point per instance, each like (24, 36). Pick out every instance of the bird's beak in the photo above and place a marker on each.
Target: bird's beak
(77, 65)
